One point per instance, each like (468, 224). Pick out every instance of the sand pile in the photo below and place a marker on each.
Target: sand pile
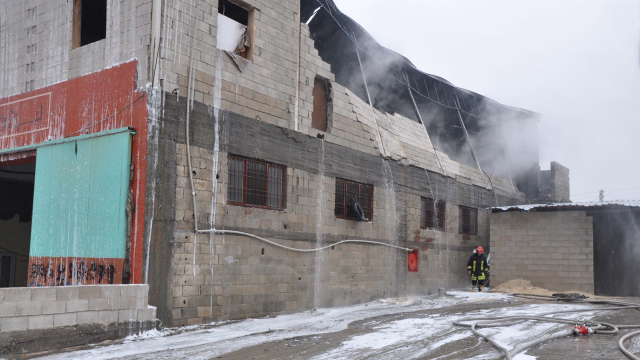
(522, 286)
(525, 287)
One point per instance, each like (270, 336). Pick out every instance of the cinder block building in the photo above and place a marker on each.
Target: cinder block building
(591, 247)
(207, 147)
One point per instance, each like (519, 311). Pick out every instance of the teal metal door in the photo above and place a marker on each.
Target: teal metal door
(81, 190)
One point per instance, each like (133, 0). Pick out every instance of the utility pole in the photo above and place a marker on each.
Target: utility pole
(602, 195)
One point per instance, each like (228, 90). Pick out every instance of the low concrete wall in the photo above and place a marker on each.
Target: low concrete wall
(47, 307)
(107, 311)
(553, 250)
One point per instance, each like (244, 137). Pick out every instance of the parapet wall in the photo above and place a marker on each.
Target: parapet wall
(555, 184)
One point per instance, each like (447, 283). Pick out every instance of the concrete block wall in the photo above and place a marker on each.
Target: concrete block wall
(555, 184)
(237, 277)
(252, 278)
(36, 38)
(441, 263)
(560, 185)
(553, 250)
(232, 278)
(34, 308)
(266, 89)
(301, 212)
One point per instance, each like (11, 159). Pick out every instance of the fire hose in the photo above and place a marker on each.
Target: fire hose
(585, 329)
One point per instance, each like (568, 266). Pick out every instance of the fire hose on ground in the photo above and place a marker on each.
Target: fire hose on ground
(585, 329)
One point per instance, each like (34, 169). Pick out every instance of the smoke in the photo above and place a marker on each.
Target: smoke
(580, 70)
(507, 142)
(504, 139)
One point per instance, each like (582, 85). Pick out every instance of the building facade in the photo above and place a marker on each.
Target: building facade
(183, 143)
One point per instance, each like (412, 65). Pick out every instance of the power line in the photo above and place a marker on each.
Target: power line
(593, 191)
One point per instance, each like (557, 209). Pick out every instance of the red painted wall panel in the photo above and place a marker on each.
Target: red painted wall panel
(89, 104)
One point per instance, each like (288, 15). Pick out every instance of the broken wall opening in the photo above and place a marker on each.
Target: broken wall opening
(16, 208)
(236, 28)
(321, 100)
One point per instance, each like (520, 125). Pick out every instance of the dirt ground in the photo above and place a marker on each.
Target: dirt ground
(416, 328)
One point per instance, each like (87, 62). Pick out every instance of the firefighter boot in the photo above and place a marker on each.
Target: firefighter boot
(473, 288)
(480, 288)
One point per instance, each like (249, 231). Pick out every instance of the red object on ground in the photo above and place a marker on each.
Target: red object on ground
(413, 261)
(582, 330)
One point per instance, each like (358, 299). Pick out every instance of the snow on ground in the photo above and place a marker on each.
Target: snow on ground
(419, 337)
(207, 343)
(633, 344)
(476, 296)
(410, 337)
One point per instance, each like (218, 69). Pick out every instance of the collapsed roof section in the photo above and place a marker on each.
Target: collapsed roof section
(569, 206)
(391, 83)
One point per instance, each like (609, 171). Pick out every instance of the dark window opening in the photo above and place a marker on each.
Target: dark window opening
(89, 21)
(433, 214)
(468, 221)
(256, 183)
(233, 11)
(16, 209)
(236, 28)
(319, 116)
(354, 200)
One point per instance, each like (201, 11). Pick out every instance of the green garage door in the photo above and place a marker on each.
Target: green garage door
(81, 190)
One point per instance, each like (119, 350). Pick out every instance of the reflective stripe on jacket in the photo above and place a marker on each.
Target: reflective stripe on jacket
(477, 264)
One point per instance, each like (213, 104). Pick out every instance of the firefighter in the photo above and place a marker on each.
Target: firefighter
(477, 268)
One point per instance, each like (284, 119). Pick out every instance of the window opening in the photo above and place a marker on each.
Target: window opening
(468, 220)
(89, 21)
(353, 200)
(433, 214)
(256, 183)
(319, 116)
(235, 28)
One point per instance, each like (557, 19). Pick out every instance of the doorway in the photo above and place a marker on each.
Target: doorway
(16, 196)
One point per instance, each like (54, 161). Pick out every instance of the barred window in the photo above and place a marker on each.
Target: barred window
(433, 214)
(353, 200)
(256, 183)
(468, 220)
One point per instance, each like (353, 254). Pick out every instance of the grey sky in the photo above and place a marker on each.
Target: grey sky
(576, 62)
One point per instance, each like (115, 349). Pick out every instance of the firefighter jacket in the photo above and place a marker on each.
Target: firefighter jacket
(478, 266)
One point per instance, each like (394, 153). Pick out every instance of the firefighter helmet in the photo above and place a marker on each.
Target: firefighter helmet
(479, 250)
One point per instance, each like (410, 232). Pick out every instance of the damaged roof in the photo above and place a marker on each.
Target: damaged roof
(455, 119)
(567, 206)
(388, 74)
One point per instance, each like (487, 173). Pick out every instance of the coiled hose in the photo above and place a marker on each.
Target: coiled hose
(598, 328)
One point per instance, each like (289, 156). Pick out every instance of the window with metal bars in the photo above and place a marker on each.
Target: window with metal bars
(256, 183)
(353, 200)
(433, 214)
(468, 220)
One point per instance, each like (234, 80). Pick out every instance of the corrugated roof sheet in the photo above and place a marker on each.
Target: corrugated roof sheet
(630, 203)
